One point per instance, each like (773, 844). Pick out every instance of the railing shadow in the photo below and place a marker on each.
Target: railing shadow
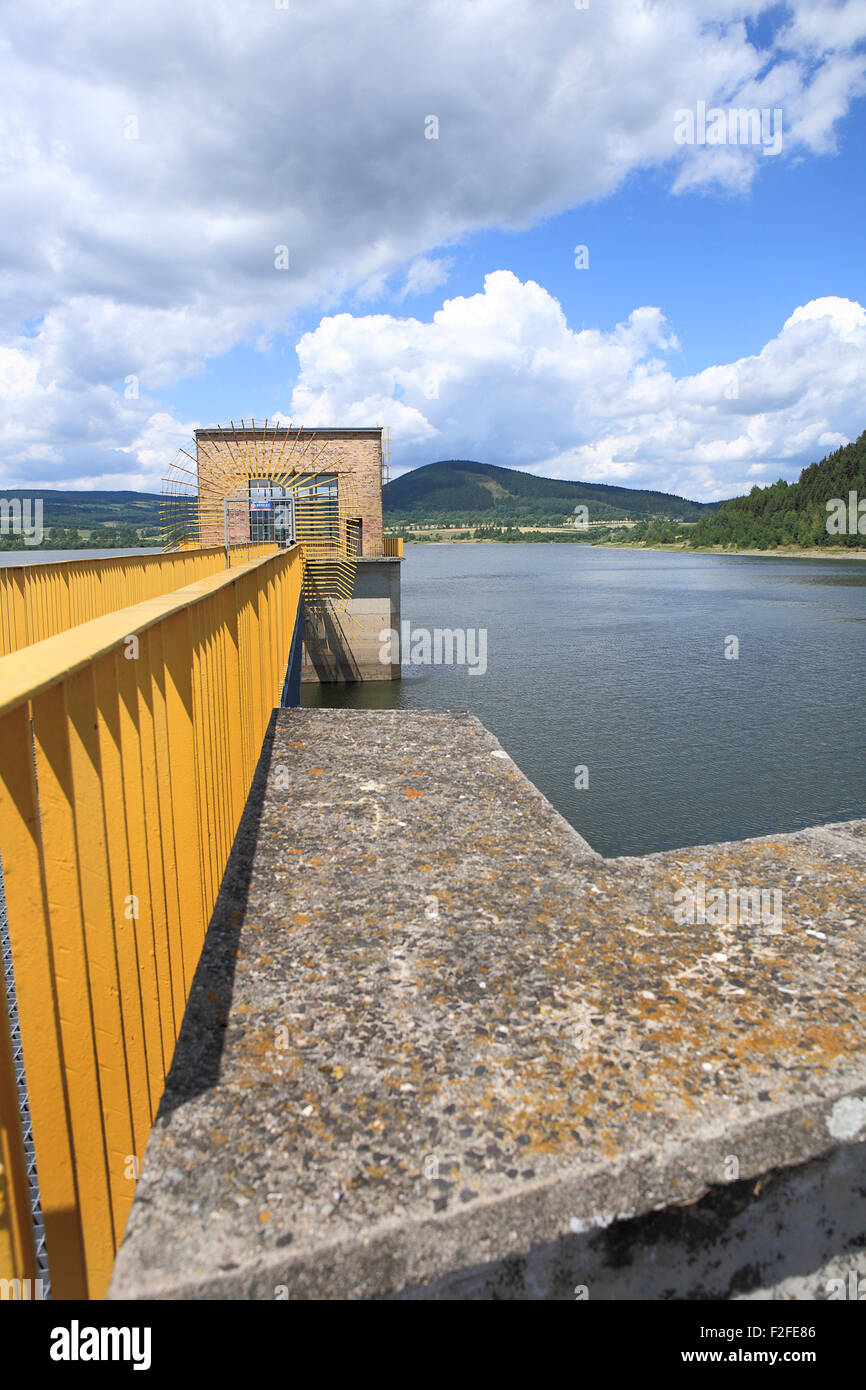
(328, 648)
(196, 1062)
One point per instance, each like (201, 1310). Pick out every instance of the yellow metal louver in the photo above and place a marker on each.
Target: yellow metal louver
(210, 498)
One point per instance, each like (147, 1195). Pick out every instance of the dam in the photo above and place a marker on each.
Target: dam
(321, 1003)
(438, 1047)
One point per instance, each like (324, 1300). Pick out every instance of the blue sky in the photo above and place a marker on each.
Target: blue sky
(716, 339)
(727, 268)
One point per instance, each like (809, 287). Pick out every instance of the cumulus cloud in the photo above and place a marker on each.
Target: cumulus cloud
(154, 157)
(501, 377)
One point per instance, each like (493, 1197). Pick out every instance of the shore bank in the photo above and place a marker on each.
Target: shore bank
(839, 552)
(836, 552)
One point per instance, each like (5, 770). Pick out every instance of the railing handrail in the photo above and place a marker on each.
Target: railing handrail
(45, 598)
(31, 670)
(124, 770)
(155, 553)
(143, 555)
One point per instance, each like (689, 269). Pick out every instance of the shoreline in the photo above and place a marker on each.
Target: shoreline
(813, 553)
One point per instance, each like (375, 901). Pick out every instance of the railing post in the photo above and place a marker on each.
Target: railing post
(187, 793)
(33, 956)
(124, 907)
(291, 697)
(140, 850)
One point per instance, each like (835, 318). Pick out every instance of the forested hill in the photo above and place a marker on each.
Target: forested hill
(791, 513)
(464, 492)
(72, 520)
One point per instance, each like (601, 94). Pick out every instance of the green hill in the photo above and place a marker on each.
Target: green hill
(463, 492)
(791, 513)
(76, 520)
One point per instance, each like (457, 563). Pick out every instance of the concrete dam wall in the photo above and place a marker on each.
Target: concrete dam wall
(437, 1047)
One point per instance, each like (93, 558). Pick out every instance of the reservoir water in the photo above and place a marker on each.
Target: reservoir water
(615, 661)
(44, 557)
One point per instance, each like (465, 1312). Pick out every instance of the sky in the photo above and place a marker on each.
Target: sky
(529, 232)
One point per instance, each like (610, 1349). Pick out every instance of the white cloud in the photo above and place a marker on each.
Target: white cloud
(848, 319)
(425, 274)
(157, 445)
(499, 376)
(259, 127)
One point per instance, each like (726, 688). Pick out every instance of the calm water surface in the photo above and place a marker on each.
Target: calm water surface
(41, 557)
(615, 660)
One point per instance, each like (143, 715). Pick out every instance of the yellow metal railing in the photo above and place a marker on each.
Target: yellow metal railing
(392, 547)
(127, 749)
(40, 600)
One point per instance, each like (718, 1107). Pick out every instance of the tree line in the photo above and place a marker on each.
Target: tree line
(792, 514)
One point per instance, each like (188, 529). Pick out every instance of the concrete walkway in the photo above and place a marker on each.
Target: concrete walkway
(438, 1047)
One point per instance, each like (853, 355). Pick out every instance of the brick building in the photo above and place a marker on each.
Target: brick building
(322, 488)
(264, 463)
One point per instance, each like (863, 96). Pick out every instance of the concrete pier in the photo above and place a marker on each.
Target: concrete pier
(345, 645)
(438, 1047)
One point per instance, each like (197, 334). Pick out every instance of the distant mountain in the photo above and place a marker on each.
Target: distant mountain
(457, 490)
(466, 492)
(76, 520)
(61, 508)
(793, 513)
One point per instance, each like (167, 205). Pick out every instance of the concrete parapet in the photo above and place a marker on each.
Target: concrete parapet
(438, 1047)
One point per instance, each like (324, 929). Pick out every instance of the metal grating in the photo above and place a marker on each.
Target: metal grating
(23, 1104)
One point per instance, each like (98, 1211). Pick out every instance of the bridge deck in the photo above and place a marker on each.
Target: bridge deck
(432, 1033)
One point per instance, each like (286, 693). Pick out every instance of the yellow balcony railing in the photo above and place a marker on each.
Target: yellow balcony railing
(127, 750)
(392, 547)
(40, 600)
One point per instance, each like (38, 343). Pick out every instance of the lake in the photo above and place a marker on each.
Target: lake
(615, 661)
(41, 557)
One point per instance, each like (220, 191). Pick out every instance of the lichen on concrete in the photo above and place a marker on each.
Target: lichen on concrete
(433, 1031)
